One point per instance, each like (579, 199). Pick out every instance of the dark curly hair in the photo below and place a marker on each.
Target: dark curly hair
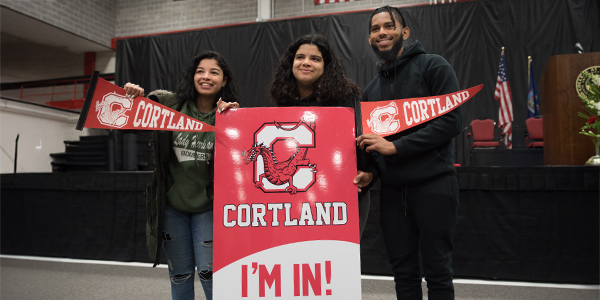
(186, 89)
(331, 87)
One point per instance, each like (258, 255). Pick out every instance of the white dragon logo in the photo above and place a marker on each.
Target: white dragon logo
(111, 110)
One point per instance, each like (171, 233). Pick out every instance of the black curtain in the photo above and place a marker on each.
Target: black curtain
(469, 35)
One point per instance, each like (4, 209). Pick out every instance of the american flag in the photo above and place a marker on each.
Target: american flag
(317, 2)
(503, 95)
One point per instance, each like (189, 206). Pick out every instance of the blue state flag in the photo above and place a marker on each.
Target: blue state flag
(533, 97)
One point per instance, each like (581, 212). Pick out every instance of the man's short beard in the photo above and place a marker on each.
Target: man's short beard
(389, 55)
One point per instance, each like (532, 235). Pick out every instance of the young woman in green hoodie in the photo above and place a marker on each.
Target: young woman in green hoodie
(179, 202)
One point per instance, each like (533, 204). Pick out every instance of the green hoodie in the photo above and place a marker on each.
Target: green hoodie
(191, 167)
(186, 186)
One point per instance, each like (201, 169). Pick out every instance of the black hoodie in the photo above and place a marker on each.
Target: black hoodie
(424, 151)
(363, 160)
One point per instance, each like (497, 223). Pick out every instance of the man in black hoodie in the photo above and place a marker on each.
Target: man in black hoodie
(419, 188)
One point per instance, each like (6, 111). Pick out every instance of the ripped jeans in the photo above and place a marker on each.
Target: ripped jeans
(187, 241)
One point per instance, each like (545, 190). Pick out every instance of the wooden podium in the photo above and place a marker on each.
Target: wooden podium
(563, 145)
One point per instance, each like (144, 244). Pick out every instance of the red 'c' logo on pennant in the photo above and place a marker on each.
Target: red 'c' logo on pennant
(112, 110)
(383, 120)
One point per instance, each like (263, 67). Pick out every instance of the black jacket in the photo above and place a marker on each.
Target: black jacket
(424, 151)
(156, 199)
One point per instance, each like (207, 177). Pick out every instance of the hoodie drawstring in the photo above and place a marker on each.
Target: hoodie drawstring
(405, 200)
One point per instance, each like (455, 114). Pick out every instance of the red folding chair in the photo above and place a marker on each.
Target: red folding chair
(535, 133)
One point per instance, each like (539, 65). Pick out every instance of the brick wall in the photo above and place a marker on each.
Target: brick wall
(139, 17)
(295, 8)
(102, 20)
(90, 19)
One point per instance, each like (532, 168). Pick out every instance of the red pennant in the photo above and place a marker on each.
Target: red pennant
(392, 116)
(107, 107)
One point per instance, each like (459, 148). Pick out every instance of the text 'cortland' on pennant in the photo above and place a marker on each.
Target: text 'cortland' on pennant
(392, 116)
(107, 107)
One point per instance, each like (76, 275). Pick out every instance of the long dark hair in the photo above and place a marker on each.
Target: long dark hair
(330, 88)
(186, 89)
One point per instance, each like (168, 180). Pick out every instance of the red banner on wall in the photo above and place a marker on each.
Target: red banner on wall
(392, 116)
(317, 2)
(286, 210)
(107, 107)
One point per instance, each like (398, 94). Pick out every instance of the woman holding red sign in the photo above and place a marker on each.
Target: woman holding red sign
(179, 202)
(310, 74)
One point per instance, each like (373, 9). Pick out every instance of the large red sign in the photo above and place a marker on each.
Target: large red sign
(286, 210)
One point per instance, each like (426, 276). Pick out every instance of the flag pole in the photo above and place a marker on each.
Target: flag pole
(528, 70)
(505, 137)
(16, 152)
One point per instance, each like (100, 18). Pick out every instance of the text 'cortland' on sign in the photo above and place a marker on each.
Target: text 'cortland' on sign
(257, 214)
